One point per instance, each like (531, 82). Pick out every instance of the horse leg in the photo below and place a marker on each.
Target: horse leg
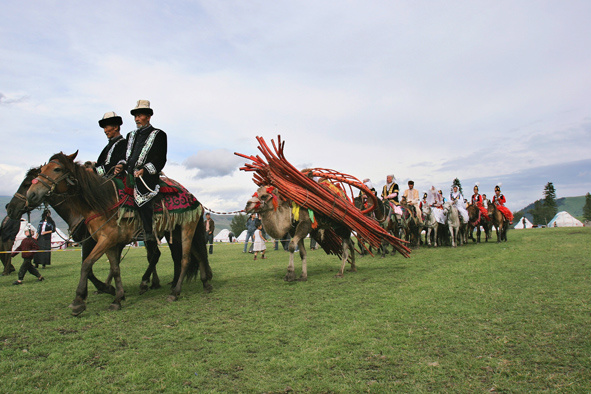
(345, 256)
(79, 305)
(352, 254)
(114, 255)
(101, 287)
(188, 232)
(153, 257)
(302, 229)
(304, 257)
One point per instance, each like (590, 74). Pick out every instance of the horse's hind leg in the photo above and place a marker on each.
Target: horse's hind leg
(352, 254)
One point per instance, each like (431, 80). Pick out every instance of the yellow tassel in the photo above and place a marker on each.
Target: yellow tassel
(295, 209)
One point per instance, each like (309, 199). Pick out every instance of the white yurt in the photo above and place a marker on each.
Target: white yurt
(242, 236)
(57, 239)
(564, 219)
(520, 224)
(223, 236)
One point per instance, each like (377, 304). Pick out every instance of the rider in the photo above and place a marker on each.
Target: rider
(412, 198)
(477, 200)
(440, 192)
(435, 199)
(458, 199)
(115, 149)
(499, 200)
(144, 159)
(390, 196)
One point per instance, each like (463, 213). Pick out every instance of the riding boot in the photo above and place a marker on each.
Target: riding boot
(146, 213)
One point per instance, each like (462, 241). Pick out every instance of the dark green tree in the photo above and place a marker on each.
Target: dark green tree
(538, 213)
(457, 183)
(550, 206)
(238, 224)
(587, 207)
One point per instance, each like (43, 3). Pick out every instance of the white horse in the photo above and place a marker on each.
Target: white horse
(430, 224)
(453, 222)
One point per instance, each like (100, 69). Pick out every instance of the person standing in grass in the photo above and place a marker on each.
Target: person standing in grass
(259, 242)
(26, 247)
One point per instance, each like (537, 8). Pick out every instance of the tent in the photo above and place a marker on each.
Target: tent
(242, 236)
(564, 219)
(57, 239)
(519, 224)
(223, 236)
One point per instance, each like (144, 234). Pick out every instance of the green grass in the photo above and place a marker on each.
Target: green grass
(511, 317)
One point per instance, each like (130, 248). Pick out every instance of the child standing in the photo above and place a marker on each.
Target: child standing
(26, 247)
(259, 242)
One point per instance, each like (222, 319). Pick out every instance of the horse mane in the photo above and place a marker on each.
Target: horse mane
(33, 173)
(95, 191)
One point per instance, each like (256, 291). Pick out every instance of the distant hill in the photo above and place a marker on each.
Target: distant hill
(221, 221)
(572, 205)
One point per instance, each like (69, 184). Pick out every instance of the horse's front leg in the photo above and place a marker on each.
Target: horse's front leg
(297, 241)
(79, 305)
(114, 255)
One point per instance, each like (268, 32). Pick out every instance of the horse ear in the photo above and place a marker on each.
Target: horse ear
(72, 156)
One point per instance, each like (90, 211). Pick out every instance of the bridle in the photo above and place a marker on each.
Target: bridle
(52, 183)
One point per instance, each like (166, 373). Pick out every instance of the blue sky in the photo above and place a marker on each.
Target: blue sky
(488, 91)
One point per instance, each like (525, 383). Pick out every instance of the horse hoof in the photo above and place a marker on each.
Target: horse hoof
(290, 277)
(114, 307)
(207, 288)
(339, 276)
(155, 286)
(77, 309)
(303, 279)
(143, 288)
(172, 298)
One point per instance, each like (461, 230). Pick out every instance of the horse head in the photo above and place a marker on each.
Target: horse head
(265, 199)
(19, 204)
(53, 177)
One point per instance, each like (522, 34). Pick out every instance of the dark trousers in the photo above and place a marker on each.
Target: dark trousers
(146, 212)
(28, 266)
(209, 241)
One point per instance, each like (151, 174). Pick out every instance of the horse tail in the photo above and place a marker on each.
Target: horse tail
(199, 254)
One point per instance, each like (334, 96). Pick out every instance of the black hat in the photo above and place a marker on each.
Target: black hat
(110, 118)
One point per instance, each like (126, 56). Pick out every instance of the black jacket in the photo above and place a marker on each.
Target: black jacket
(113, 153)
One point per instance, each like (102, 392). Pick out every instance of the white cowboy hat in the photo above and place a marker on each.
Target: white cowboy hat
(142, 107)
(110, 118)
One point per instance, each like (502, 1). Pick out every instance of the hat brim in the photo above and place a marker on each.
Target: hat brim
(139, 111)
(115, 121)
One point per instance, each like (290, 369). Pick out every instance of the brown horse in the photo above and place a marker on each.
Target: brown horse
(278, 219)
(410, 223)
(95, 199)
(499, 221)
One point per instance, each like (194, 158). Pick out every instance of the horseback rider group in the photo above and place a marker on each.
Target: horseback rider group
(434, 198)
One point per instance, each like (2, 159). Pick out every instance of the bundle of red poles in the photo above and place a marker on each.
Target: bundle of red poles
(301, 188)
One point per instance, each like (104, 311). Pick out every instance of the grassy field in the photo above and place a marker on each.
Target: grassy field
(511, 317)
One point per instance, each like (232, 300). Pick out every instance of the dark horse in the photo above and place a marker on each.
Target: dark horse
(383, 215)
(476, 220)
(93, 198)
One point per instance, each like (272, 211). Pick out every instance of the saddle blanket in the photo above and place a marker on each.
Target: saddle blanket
(172, 196)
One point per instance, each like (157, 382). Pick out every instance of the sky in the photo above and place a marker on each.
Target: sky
(483, 91)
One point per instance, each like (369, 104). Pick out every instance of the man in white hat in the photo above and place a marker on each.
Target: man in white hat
(115, 149)
(145, 157)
